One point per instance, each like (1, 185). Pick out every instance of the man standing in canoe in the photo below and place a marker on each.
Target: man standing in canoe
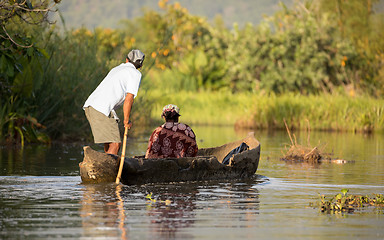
(120, 86)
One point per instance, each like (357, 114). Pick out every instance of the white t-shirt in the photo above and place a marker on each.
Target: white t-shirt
(111, 92)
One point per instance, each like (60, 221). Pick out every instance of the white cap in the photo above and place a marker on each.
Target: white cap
(136, 55)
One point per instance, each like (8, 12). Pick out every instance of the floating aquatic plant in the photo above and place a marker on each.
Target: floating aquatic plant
(149, 197)
(344, 202)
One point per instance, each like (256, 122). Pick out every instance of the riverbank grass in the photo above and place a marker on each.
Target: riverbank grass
(262, 111)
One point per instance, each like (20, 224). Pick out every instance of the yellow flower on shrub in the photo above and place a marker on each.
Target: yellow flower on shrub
(177, 6)
(160, 66)
(162, 3)
(129, 42)
(107, 31)
(343, 61)
(352, 92)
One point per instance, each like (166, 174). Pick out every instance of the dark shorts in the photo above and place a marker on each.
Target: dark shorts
(104, 129)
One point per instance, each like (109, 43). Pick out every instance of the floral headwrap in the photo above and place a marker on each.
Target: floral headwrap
(171, 108)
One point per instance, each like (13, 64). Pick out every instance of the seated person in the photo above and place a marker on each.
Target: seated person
(172, 139)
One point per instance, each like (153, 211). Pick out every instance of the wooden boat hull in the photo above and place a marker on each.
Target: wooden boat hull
(101, 167)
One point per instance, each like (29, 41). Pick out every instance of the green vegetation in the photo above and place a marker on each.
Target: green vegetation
(153, 201)
(258, 111)
(343, 202)
(21, 69)
(302, 64)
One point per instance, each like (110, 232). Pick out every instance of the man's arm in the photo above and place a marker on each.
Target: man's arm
(128, 102)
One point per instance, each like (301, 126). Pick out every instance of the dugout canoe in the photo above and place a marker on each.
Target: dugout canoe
(100, 167)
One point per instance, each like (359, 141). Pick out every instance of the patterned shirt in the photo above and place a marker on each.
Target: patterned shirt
(172, 139)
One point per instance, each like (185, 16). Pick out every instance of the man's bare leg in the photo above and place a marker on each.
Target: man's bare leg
(106, 147)
(112, 148)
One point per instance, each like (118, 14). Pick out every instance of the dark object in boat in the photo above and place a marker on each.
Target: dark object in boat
(243, 147)
(207, 165)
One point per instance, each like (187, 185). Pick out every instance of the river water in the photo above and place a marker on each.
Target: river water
(42, 197)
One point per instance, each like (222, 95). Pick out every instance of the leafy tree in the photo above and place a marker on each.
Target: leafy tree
(19, 65)
(356, 20)
(297, 50)
(171, 39)
(303, 53)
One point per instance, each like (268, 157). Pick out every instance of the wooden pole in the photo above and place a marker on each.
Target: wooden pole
(118, 177)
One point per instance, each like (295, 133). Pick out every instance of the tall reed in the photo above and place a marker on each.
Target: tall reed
(70, 74)
(324, 112)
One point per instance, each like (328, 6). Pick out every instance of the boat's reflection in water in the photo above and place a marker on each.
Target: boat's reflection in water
(171, 209)
(102, 211)
(166, 210)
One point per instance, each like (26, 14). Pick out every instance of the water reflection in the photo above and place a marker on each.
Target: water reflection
(121, 212)
(177, 208)
(40, 160)
(102, 211)
(171, 209)
(171, 212)
(232, 204)
(58, 206)
(109, 211)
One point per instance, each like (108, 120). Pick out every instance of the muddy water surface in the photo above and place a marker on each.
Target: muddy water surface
(41, 195)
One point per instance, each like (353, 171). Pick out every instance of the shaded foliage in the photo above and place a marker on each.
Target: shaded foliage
(308, 49)
(20, 67)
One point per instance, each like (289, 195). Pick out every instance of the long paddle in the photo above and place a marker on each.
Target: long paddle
(122, 156)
